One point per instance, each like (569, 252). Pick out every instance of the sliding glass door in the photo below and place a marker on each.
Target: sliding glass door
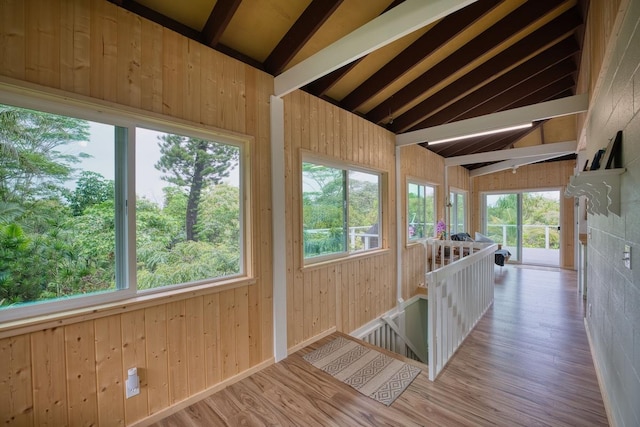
(525, 223)
(541, 228)
(502, 221)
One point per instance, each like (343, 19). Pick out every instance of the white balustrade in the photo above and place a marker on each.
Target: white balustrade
(459, 293)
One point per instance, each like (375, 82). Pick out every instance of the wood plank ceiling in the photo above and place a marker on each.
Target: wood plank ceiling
(490, 56)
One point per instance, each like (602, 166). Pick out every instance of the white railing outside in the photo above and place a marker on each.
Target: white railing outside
(355, 233)
(459, 294)
(549, 230)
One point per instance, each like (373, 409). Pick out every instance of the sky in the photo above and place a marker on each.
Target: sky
(149, 181)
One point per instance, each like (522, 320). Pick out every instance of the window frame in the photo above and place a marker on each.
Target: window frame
(125, 121)
(345, 167)
(421, 183)
(453, 210)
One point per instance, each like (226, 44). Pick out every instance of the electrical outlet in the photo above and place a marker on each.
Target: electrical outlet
(626, 256)
(589, 310)
(132, 384)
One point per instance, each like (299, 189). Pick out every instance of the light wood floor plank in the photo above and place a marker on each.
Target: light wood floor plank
(527, 363)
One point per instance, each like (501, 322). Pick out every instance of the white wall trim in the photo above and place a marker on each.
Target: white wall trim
(489, 122)
(386, 28)
(279, 230)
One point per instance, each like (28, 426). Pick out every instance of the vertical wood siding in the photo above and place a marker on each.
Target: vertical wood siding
(345, 293)
(74, 374)
(419, 164)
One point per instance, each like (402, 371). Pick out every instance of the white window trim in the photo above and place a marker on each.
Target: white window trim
(308, 157)
(418, 181)
(453, 208)
(39, 98)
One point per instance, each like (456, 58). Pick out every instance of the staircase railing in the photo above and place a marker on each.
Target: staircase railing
(459, 293)
(384, 332)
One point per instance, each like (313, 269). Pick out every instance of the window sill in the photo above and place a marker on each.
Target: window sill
(54, 320)
(340, 260)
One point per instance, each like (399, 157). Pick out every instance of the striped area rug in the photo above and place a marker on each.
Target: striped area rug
(372, 373)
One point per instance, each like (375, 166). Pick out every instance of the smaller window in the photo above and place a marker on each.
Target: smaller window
(421, 207)
(458, 212)
(341, 210)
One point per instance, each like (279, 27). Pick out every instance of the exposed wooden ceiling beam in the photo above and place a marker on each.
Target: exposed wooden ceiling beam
(158, 18)
(510, 98)
(505, 142)
(536, 41)
(514, 163)
(555, 91)
(528, 114)
(536, 73)
(396, 23)
(218, 20)
(182, 29)
(324, 83)
(300, 32)
(483, 144)
(478, 46)
(429, 42)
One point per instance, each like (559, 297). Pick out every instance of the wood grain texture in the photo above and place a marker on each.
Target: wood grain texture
(526, 363)
(316, 127)
(13, 38)
(157, 357)
(420, 165)
(109, 378)
(94, 48)
(15, 381)
(81, 373)
(134, 355)
(49, 377)
(177, 351)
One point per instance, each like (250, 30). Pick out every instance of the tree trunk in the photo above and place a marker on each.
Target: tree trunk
(194, 193)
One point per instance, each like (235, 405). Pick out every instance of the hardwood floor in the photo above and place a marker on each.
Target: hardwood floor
(526, 363)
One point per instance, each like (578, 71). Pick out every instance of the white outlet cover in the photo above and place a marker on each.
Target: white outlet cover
(626, 256)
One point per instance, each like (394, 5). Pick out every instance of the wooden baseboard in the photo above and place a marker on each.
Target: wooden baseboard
(311, 340)
(601, 384)
(201, 395)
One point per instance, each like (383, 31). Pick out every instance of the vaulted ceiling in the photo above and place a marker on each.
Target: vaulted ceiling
(490, 56)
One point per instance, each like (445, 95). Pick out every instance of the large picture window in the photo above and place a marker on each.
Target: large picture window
(72, 225)
(421, 208)
(341, 210)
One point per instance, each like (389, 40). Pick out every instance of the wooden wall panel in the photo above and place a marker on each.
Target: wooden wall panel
(15, 378)
(109, 375)
(421, 164)
(13, 38)
(81, 373)
(157, 372)
(134, 355)
(49, 377)
(75, 374)
(531, 177)
(345, 293)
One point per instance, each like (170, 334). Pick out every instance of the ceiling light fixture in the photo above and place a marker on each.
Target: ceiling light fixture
(483, 133)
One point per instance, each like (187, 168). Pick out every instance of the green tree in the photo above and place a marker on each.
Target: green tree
(220, 217)
(91, 189)
(38, 258)
(193, 164)
(33, 163)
